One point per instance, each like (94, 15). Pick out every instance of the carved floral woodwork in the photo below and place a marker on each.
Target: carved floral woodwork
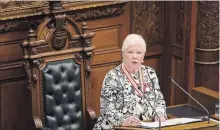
(102, 12)
(147, 19)
(20, 24)
(60, 35)
(188, 8)
(180, 22)
(207, 48)
(208, 25)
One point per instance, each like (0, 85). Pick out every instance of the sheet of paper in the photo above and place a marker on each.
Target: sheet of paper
(170, 122)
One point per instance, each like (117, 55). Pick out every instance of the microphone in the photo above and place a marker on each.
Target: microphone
(152, 109)
(191, 98)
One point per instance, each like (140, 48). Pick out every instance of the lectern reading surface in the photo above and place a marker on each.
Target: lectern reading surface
(183, 111)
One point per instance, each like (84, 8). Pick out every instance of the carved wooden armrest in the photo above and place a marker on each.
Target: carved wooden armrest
(91, 112)
(91, 117)
(38, 124)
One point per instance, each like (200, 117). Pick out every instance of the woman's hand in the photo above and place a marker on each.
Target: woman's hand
(131, 121)
(162, 118)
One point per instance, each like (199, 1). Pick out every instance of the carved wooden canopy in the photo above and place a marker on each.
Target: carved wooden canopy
(23, 12)
(21, 9)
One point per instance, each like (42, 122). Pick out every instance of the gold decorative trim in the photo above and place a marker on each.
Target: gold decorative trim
(87, 4)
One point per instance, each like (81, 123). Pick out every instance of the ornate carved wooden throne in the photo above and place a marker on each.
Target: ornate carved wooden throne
(57, 61)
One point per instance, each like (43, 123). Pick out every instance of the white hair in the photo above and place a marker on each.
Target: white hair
(133, 39)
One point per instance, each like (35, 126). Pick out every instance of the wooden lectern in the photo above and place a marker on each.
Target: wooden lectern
(183, 110)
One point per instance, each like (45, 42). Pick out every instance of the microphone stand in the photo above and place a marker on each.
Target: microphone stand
(192, 98)
(152, 109)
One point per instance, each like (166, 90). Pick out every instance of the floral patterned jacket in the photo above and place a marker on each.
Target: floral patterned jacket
(120, 100)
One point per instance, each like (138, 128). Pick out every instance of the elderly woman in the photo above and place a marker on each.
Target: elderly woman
(130, 92)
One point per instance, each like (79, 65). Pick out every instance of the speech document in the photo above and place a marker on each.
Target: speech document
(169, 122)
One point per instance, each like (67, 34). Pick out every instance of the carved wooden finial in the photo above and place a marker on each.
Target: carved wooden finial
(56, 5)
(25, 43)
(84, 27)
(31, 35)
(37, 121)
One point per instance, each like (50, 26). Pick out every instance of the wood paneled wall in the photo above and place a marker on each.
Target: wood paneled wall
(110, 33)
(178, 49)
(165, 27)
(194, 27)
(15, 97)
(182, 43)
